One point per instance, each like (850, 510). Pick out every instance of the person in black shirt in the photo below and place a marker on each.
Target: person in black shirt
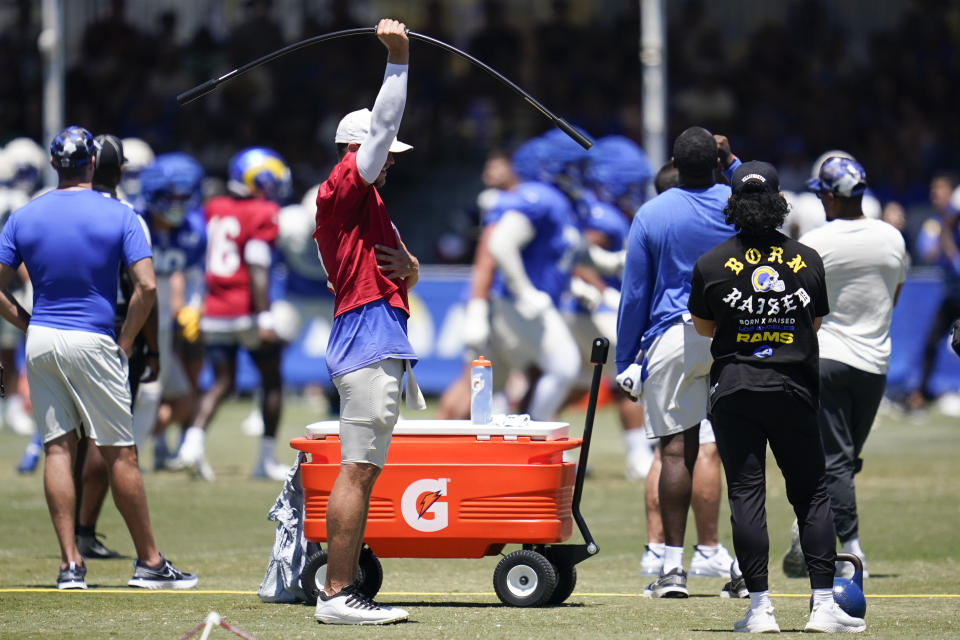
(761, 297)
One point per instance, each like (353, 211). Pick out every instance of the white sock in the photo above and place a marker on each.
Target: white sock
(821, 596)
(195, 436)
(633, 439)
(760, 600)
(852, 546)
(708, 550)
(658, 548)
(672, 558)
(267, 447)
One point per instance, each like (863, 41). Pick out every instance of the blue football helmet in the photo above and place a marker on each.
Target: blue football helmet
(843, 177)
(72, 147)
(260, 171)
(171, 187)
(618, 170)
(530, 160)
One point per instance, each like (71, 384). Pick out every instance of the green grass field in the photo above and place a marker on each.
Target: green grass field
(910, 520)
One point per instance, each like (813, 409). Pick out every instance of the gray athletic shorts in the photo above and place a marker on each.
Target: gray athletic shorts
(675, 391)
(369, 408)
(78, 377)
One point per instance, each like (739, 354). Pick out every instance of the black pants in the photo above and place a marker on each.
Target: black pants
(947, 312)
(849, 399)
(744, 422)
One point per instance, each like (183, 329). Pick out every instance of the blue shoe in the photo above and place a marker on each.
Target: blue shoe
(31, 455)
(72, 577)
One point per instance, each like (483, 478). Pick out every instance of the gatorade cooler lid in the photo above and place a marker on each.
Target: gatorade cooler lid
(532, 430)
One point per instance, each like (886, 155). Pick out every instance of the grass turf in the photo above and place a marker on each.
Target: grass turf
(909, 523)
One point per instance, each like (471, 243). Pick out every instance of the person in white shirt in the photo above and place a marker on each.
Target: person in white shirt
(865, 263)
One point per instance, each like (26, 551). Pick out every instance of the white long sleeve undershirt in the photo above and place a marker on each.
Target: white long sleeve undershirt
(384, 122)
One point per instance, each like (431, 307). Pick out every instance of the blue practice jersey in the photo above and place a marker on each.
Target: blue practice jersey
(610, 221)
(179, 249)
(667, 235)
(72, 242)
(548, 258)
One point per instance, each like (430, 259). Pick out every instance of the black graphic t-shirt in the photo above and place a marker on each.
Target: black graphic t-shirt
(764, 293)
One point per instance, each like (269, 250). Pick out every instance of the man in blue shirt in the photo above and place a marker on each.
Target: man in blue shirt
(72, 240)
(658, 349)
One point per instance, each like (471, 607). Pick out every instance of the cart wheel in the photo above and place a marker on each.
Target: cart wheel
(371, 572)
(566, 580)
(524, 578)
(313, 576)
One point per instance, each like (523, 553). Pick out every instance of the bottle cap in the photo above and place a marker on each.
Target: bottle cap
(481, 362)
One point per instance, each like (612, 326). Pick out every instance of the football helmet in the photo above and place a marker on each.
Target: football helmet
(172, 186)
(260, 171)
(27, 159)
(618, 171)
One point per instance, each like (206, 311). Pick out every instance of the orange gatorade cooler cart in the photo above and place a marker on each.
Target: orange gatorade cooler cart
(452, 489)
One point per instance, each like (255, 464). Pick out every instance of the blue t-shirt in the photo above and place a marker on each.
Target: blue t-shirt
(367, 334)
(549, 257)
(667, 235)
(72, 242)
(182, 248)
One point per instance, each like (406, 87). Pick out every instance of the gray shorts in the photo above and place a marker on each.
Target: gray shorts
(369, 408)
(675, 392)
(78, 377)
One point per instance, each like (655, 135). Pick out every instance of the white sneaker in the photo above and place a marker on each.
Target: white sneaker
(351, 607)
(268, 468)
(252, 425)
(715, 565)
(191, 456)
(651, 563)
(757, 621)
(830, 618)
(19, 421)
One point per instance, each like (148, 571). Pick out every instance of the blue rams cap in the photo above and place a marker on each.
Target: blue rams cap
(616, 163)
(72, 147)
(843, 177)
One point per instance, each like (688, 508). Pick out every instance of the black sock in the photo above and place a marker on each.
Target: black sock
(85, 531)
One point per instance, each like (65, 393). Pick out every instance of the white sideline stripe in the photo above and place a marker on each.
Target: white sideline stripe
(392, 594)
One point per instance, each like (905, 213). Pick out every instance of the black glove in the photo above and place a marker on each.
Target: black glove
(955, 337)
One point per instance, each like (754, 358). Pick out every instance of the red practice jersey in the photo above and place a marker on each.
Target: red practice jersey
(351, 219)
(231, 224)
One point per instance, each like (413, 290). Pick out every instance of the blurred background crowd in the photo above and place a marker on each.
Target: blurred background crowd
(785, 81)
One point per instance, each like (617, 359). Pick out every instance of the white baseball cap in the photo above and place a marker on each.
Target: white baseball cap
(355, 126)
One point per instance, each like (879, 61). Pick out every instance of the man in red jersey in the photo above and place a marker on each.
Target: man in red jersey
(369, 270)
(241, 230)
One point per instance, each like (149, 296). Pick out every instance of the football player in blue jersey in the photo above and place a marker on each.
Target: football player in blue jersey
(171, 190)
(534, 244)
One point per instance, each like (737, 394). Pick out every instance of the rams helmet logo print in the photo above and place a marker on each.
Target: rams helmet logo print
(763, 352)
(765, 279)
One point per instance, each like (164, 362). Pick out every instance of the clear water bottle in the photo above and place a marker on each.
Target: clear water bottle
(481, 391)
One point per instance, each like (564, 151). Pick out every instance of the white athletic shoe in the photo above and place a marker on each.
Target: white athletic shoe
(352, 607)
(715, 565)
(191, 456)
(268, 468)
(651, 563)
(830, 618)
(757, 621)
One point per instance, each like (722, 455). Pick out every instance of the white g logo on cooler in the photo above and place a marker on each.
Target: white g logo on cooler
(421, 507)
